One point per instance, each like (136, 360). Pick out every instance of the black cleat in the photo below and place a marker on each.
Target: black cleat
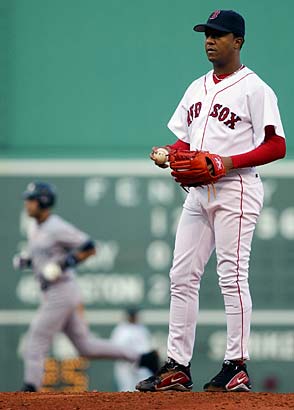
(150, 360)
(171, 376)
(232, 377)
(27, 387)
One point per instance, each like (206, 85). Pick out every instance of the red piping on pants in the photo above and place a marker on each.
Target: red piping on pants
(238, 260)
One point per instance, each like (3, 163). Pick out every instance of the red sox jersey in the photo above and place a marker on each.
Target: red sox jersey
(227, 118)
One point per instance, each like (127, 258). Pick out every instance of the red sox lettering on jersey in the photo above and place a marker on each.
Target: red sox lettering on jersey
(227, 118)
(218, 111)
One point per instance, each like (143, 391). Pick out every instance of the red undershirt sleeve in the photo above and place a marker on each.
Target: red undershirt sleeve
(273, 148)
(179, 144)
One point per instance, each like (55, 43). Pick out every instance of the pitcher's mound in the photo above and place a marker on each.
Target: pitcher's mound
(146, 401)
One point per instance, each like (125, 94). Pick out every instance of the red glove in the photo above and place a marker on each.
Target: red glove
(197, 168)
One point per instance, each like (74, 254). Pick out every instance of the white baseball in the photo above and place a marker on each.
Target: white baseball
(51, 272)
(161, 156)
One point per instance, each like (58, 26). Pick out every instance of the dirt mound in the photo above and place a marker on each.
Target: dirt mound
(145, 401)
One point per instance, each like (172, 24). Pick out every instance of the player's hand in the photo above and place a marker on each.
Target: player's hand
(21, 261)
(51, 272)
(228, 163)
(152, 156)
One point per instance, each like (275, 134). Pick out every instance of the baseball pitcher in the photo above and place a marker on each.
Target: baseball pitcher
(227, 123)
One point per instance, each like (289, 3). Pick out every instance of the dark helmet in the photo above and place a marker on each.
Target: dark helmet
(43, 192)
(132, 313)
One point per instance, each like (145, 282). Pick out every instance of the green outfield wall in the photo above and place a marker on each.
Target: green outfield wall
(86, 80)
(93, 78)
(131, 209)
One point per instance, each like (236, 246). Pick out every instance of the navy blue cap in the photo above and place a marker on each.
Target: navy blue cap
(227, 21)
(43, 192)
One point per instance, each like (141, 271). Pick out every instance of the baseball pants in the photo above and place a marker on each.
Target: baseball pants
(225, 223)
(59, 311)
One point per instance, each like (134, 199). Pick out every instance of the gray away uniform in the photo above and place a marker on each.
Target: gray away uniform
(51, 241)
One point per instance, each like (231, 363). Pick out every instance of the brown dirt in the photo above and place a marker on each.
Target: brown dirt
(146, 401)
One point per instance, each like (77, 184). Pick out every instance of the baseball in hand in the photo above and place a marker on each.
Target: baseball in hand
(161, 156)
(51, 272)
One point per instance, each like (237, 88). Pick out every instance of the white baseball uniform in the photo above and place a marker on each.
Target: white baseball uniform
(226, 118)
(127, 334)
(61, 300)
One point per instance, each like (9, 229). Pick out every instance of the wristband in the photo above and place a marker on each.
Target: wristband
(70, 261)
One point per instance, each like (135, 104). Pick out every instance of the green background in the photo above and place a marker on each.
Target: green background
(102, 78)
(97, 79)
(135, 278)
